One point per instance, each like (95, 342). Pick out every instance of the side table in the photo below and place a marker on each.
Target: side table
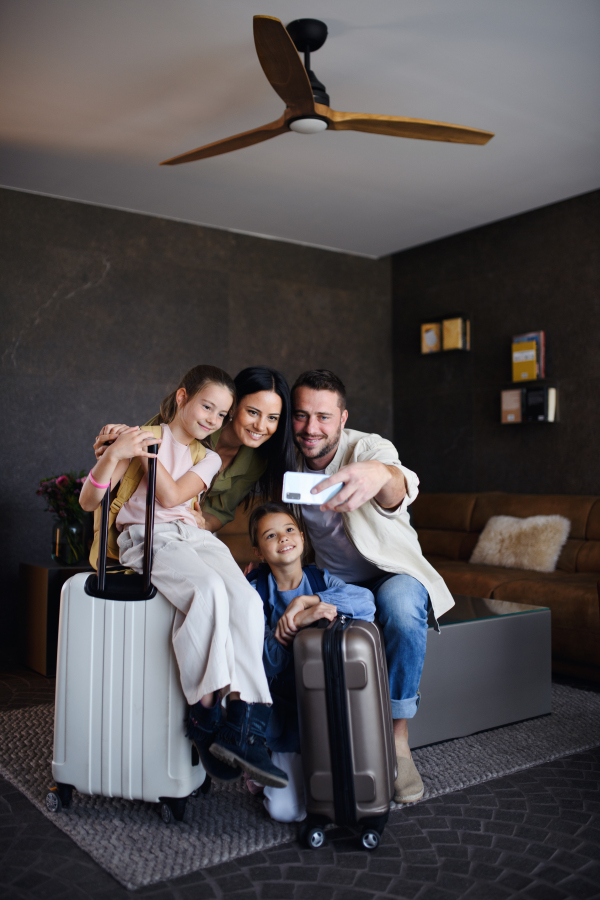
(489, 666)
(40, 585)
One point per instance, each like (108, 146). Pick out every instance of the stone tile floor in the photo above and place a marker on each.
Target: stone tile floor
(534, 835)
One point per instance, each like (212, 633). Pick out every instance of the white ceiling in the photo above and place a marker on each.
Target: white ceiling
(97, 92)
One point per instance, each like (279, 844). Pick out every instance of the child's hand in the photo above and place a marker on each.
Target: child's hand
(314, 613)
(133, 442)
(101, 443)
(286, 629)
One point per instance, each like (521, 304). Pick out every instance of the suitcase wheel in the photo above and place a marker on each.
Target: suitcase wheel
(370, 839)
(171, 808)
(312, 837)
(164, 811)
(59, 798)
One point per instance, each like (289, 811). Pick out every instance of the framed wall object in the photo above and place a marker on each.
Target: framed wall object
(456, 333)
(449, 333)
(529, 356)
(534, 403)
(431, 337)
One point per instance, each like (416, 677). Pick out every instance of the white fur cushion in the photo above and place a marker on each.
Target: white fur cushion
(534, 543)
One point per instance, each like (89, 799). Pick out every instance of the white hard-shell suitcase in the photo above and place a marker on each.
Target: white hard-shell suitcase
(119, 722)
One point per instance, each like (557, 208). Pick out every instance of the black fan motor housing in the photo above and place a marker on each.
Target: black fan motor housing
(309, 35)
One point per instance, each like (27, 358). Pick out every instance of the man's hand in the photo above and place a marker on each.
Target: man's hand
(102, 442)
(362, 482)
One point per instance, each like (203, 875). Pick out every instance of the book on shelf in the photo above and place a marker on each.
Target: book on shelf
(534, 403)
(529, 356)
(456, 333)
(431, 337)
(512, 406)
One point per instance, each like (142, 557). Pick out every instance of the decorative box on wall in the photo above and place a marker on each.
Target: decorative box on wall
(450, 333)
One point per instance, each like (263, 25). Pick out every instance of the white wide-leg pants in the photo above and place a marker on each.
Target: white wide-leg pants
(218, 632)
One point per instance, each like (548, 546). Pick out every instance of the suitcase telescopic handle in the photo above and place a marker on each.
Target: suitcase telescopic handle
(103, 540)
(149, 529)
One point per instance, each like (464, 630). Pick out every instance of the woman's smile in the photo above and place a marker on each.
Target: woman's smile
(255, 435)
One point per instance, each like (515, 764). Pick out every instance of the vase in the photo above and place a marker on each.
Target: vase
(68, 544)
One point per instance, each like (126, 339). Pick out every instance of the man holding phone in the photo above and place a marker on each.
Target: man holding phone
(363, 535)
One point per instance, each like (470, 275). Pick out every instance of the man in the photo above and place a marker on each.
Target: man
(364, 536)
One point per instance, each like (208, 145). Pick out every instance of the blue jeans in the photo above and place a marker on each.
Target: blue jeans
(402, 606)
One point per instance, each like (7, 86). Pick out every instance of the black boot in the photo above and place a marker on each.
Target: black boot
(241, 741)
(202, 727)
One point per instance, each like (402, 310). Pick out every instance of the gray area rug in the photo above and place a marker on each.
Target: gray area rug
(129, 840)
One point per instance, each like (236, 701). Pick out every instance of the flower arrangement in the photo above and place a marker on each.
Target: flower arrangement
(61, 494)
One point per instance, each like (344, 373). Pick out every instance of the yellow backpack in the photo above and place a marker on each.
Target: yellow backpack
(121, 493)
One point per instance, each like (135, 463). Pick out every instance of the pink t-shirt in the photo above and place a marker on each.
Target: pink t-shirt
(177, 460)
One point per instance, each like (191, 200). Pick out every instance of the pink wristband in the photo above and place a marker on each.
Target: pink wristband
(101, 487)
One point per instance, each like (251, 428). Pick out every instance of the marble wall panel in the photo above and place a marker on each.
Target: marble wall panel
(103, 311)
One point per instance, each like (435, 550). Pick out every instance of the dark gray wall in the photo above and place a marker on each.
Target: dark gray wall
(540, 270)
(103, 311)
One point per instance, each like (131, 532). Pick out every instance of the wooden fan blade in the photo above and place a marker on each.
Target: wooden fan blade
(236, 142)
(398, 126)
(282, 65)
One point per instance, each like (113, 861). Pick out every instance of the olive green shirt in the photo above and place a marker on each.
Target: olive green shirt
(234, 484)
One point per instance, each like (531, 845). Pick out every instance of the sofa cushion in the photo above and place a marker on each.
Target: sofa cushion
(567, 561)
(588, 558)
(235, 536)
(593, 525)
(479, 581)
(576, 652)
(533, 543)
(450, 512)
(573, 599)
(448, 544)
(495, 503)
(240, 548)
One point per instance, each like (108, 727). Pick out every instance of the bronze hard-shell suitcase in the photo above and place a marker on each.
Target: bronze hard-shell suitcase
(346, 730)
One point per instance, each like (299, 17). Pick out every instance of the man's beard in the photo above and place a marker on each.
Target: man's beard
(327, 448)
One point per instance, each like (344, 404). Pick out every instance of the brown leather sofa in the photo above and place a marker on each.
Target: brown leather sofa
(449, 525)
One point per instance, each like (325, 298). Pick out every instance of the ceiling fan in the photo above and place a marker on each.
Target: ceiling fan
(307, 101)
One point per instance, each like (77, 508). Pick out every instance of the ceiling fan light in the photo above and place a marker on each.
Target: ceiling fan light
(308, 126)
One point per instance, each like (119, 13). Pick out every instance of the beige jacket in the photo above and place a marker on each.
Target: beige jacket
(385, 537)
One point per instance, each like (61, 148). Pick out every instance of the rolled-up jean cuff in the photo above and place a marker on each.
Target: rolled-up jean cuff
(405, 709)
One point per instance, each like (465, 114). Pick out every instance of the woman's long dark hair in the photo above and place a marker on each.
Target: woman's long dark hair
(278, 451)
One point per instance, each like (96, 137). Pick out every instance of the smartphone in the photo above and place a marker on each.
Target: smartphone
(297, 488)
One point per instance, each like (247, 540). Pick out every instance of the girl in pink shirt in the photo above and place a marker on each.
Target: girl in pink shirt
(218, 630)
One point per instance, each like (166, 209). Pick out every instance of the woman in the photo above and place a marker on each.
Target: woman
(256, 446)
